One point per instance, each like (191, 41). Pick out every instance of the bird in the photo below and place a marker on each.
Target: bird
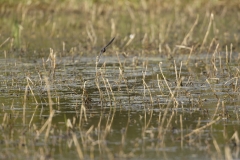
(104, 49)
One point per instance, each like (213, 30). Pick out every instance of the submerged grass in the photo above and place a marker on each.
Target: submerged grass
(170, 85)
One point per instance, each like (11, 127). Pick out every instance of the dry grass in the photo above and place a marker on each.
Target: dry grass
(127, 105)
(163, 25)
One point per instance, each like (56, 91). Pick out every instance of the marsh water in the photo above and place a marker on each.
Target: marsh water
(166, 88)
(130, 112)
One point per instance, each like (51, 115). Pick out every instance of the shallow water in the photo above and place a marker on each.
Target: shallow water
(156, 103)
(132, 114)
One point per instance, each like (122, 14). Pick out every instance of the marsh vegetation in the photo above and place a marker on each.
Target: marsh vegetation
(167, 86)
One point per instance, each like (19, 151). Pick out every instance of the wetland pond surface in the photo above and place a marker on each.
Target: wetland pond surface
(133, 107)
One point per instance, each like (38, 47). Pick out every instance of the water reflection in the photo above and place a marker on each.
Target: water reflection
(130, 107)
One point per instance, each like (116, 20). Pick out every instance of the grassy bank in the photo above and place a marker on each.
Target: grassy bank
(155, 26)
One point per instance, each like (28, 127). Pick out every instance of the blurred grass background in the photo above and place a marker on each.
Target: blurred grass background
(85, 25)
